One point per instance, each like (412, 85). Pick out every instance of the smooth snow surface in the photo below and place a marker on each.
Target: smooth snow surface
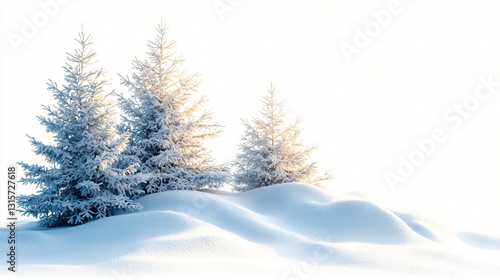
(288, 231)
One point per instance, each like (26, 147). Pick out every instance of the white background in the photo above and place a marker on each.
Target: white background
(363, 114)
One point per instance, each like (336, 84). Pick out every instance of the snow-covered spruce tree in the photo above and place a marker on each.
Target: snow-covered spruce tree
(168, 128)
(80, 183)
(271, 151)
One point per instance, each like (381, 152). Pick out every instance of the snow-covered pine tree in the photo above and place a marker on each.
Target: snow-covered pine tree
(80, 183)
(271, 151)
(168, 128)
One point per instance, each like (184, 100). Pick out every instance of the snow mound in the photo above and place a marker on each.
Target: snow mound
(293, 210)
(480, 240)
(277, 232)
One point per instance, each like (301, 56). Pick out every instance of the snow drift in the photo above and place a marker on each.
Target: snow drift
(287, 231)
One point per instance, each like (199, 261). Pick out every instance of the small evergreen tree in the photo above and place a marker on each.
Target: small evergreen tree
(80, 183)
(167, 128)
(271, 151)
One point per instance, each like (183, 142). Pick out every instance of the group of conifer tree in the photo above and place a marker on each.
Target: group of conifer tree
(97, 167)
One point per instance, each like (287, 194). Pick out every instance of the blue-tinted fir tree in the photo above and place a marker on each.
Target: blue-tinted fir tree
(271, 151)
(168, 127)
(80, 183)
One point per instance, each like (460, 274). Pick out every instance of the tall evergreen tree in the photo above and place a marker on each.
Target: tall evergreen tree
(271, 151)
(167, 127)
(80, 183)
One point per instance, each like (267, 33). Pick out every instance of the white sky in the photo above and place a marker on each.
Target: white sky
(362, 114)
